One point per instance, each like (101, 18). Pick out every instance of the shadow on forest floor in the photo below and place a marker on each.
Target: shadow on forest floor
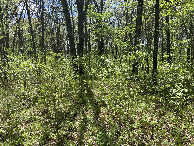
(88, 100)
(79, 111)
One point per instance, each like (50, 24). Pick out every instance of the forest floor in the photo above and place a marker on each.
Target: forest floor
(49, 105)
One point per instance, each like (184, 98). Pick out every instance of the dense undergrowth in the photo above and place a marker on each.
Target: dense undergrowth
(49, 105)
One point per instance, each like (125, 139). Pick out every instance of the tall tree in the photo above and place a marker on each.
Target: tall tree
(191, 39)
(137, 35)
(168, 36)
(69, 28)
(4, 38)
(190, 35)
(69, 32)
(31, 28)
(101, 37)
(43, 49)
(162, 45)
(156, 34)
(80, 5)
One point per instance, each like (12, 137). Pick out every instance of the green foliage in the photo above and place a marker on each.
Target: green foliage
(48, 105)
(51, 104)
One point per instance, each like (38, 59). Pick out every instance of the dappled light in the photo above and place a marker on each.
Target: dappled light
(83, 72)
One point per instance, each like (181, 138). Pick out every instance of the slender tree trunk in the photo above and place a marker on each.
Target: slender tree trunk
(138, 35)
(69, 28)
(4, 41)
(148, 45)
(21, 49)
(86, 34)
(31, 29)
(168, 38)
(72, 20)
(43, 49)
(131, 34)
(191, 40)
(101, 39)
(89, 43)
(69, 32)
(80, 5)
(162, 47)
(126, 23)
(156, 34)
(190, 47)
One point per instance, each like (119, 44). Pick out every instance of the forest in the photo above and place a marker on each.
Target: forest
(96, 72)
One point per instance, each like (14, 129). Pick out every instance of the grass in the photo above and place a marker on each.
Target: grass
(48, 105)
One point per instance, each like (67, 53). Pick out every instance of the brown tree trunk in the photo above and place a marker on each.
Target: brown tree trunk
(162, 47)
(101, 39)
(69, 33)
(31, 29)
(191, 40)
(168, 38)
(190, 47)
(156, 34)
(43, 49)
(69, 28)
(138, 35)
(80, 5)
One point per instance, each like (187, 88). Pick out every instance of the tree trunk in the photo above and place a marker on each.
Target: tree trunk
(156, 34)
(101, 39)
(168, 38)
(4, 41)
(70, 33)
(138, 35)
(43, 49)
(162, 47)
(80, 5)
(69, 28)
(148, 45)
(191, 40)
(190, 47)
(31, 29)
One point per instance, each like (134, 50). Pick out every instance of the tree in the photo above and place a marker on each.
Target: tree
(137, 35)
(69, 32)
(80, 5)
(31, 29)
(168, 36)
(156, 35)
(43, 49)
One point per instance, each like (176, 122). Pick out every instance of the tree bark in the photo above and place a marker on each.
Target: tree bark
(43, 49)
(156, 34)
(70, 33)
(168, 38)
(138, 35)
(191, 40)
(80, 4)
(162, 47)
(190, 47)
(101, 39)
(69, 28)
(31, 29)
